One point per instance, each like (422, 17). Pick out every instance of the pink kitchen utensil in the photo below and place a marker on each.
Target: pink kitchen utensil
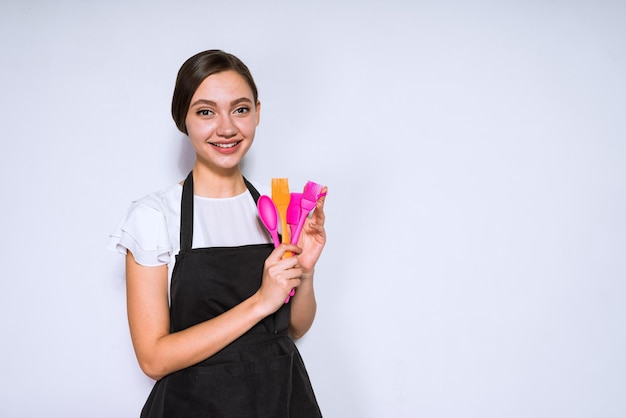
(293, 212)
(312, 192)
(269, 216)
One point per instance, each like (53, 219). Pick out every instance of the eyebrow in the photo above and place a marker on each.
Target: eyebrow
(212, 103)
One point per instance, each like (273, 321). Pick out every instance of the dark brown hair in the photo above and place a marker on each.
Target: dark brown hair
(195, 70)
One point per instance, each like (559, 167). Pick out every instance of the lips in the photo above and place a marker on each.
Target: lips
(225, 145)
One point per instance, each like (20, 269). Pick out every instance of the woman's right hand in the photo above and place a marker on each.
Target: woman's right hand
(280, 275)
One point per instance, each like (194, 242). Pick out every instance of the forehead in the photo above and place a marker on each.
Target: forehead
(224, 84)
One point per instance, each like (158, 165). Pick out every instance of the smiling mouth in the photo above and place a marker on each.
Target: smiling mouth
(225, 146)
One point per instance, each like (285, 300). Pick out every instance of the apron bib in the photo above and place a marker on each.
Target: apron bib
(261, 374)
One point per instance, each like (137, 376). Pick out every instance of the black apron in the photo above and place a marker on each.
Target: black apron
(261, 374)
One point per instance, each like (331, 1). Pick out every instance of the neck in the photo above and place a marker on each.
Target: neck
(208, 183)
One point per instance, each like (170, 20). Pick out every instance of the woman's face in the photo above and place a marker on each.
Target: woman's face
(222, 119)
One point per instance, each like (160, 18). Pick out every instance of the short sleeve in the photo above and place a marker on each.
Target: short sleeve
(144, 232)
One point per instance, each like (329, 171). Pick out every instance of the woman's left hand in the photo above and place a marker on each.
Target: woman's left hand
(313, 237)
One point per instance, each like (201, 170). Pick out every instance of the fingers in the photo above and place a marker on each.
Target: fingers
(323, 194)
(284, 251)
(318, 214)
(284, 271)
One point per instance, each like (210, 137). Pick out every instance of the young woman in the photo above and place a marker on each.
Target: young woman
(218, 339)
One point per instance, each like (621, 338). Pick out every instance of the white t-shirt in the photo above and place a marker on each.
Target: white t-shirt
(151, 227)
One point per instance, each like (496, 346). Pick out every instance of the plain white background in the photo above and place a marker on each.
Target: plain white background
(476, 161)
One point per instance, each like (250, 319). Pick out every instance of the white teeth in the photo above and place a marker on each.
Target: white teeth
(225, 145)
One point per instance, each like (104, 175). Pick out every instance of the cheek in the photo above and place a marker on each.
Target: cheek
(195, 129)
(248, 127)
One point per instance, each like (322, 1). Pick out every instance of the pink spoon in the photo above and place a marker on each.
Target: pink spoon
(269, 216)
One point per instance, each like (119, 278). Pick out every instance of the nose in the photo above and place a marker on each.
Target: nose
(226, 128)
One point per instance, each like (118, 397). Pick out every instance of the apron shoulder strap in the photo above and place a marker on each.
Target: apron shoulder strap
(255, 194)
(186, 214)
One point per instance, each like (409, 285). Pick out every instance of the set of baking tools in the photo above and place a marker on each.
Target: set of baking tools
(290, 209)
